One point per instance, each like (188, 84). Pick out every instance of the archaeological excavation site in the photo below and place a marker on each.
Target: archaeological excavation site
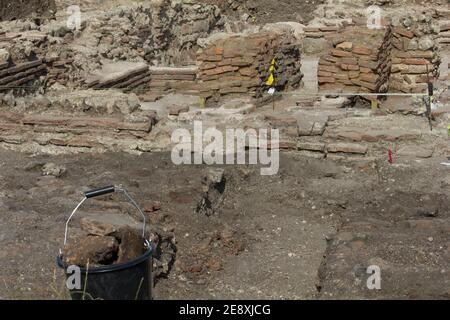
(235, 149)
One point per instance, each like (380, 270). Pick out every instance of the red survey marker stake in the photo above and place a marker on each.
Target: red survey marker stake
(390, 159)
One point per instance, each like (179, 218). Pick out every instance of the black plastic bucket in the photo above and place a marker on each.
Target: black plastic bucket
(125, 281)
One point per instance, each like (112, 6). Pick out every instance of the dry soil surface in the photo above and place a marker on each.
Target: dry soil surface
(311, 231)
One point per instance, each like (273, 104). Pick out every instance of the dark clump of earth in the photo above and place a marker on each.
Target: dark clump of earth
(95, 250)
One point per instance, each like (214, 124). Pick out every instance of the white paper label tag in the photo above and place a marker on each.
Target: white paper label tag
(271, 91)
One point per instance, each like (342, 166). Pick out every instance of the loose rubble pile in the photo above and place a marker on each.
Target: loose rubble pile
(95, 250)
(238, 64)
(111, 229)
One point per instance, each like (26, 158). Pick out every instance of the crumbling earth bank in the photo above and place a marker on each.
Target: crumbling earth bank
(266, 11)
(17, 9)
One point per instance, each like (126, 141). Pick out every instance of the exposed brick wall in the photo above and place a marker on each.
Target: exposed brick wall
(239, 64)
(391, 59)
(15, 75)
(356, 64)
(410, 61)
(17, 9)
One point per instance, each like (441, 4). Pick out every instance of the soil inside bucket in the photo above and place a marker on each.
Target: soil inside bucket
(119, 246)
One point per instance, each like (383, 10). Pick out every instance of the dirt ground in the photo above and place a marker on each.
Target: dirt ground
(308, 232)
(267, 11)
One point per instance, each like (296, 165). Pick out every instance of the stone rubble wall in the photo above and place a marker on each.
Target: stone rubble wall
(179, 79)
(239, 64)
(13, 74)
(320, 31)
(395, 60)
(413, 54)
(159, 33)
(165, 32)
(81, 121)
(120, 75)
(444, 35)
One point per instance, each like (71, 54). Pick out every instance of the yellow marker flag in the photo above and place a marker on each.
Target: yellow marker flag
(269, 81)
(374, 104)
(272, 66)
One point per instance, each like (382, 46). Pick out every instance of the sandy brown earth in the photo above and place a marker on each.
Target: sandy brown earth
(309, 232)
(267, 11)
(20, 9)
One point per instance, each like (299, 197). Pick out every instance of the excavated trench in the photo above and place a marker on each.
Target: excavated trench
(312, 230)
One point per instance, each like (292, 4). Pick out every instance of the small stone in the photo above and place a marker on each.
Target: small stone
(214, 264)
(9, 100)
(426, 43)
(52, 169)
(155, 206)
(215, 175)
(196, 268)
(415, 151)
(346, 46)
(176, 110)
(104, 224)
(93, 250)
(347, 148)
(131, 244)
(4, 56)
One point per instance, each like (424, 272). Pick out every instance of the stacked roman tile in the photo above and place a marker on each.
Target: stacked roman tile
(60, 120)
(179, 79)
(413, 55)
(394, 59)
(239, 64)
(444, 34)
(58, 70)
(14, 75)
(320, 31)
(27, 45)
(123, 75)
(358, 62)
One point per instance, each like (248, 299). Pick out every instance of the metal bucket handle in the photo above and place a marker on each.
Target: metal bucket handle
(99, 192)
